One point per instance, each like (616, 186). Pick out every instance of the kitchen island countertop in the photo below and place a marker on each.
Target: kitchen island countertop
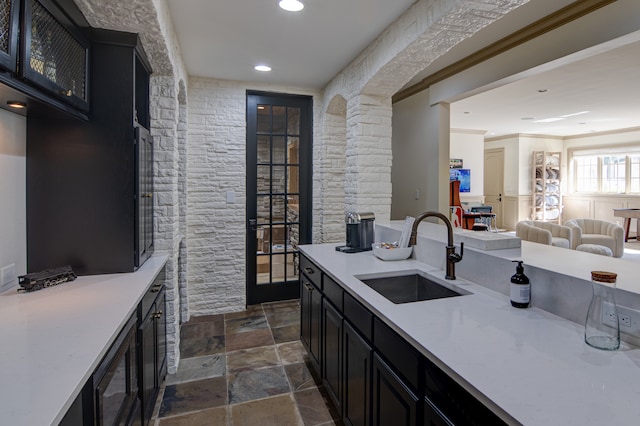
(53, 339)
(529, 366)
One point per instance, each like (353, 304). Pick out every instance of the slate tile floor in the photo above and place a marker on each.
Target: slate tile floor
(244, 368)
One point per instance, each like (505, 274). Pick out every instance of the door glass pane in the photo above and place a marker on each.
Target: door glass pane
(279, 179)
(264, 119)
(293, 186)
(292, 209)
(264, 179)
(293, 237)
(293, 145)
(278, 208)
(293, 121)
(262, 239)
(279, 150)
(279, 267)
(263, 209)
(279, 119)
(262, 274)
(295, 266)
(263, 149)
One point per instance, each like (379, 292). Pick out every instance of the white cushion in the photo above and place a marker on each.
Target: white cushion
(560, 242)
(596, 249)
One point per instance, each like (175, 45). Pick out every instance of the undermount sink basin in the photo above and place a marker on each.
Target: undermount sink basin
(411, 287)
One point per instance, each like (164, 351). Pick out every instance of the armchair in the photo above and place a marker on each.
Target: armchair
(545, 233)
(598, 232)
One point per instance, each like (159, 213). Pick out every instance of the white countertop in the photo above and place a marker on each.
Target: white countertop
(531, 364)
(54, 338)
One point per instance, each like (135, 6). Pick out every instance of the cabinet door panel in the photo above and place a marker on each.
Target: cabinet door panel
(9, 15)
(144, 193)
(310, 316)
(161, 337)
(147, 374)
(55, 52)
(332, 353)
(357, 357)
(433, 416)
(393, 402)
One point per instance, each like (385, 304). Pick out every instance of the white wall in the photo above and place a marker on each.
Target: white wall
(469, 146)
(13, 220)
(416, 151)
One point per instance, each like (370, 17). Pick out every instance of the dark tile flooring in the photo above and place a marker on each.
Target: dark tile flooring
(244, 368)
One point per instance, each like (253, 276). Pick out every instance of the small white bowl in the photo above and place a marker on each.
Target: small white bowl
(391, 253)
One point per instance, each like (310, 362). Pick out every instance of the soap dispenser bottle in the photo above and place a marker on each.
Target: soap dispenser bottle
(520, 289)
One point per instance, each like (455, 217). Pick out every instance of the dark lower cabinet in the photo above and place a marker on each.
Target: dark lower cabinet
(372, 374)
(115, 382)
(357, 360)
(332, 338)
(152, 348)
(393, 402)
(311, 302)
(433, 416)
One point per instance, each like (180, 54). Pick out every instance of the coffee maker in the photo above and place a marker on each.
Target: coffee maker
(359, 232)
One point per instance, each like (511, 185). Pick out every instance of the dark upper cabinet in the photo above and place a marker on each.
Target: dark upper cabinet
(55, 53)
(89, 184)
(9, 17)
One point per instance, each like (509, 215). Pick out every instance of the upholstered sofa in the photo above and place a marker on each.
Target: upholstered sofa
(598, 232)
(545, 233)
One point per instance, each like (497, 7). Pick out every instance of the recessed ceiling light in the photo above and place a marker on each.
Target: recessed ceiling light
(549, 120)
(263, 68)
(291, 5)
(574, 114)
(16, 104)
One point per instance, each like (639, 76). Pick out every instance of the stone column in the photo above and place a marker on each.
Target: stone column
(368, 164)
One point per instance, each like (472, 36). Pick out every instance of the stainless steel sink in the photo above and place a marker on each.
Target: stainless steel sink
(411, 287)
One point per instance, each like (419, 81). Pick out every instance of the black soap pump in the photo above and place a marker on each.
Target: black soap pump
(520, 289)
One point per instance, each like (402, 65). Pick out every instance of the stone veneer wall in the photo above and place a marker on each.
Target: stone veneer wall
(216, 230)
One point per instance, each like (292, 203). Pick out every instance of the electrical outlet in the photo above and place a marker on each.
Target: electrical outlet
(609, 316)
(627, 318)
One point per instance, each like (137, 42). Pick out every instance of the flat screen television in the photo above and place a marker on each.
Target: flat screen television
(464, 176)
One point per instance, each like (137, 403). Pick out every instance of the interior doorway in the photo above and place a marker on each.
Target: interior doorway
(279, 165)
(494, 182)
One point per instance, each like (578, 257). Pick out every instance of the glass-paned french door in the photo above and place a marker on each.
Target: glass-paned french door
(279, 138)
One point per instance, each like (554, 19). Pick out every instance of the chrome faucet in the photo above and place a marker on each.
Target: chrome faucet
(451, 256)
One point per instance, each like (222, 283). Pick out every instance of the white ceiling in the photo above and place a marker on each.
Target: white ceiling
(606, 85)
(225, 40)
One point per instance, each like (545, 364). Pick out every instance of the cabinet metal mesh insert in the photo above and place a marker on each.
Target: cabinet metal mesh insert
(5, 25)
(56, 54)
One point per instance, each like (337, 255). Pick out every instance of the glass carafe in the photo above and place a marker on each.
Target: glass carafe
(596, 333)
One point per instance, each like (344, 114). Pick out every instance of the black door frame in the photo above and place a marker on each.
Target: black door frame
(290, 289)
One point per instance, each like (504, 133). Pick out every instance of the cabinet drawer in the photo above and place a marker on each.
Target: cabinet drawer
(358, 315)
(333, 292)
(311, 271)
(400, 354)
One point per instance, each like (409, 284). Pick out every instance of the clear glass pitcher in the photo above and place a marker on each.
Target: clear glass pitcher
(603, 303)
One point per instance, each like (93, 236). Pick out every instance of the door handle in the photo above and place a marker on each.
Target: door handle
(253, 224)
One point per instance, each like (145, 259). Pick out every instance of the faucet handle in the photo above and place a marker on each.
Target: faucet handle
(456, 257)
